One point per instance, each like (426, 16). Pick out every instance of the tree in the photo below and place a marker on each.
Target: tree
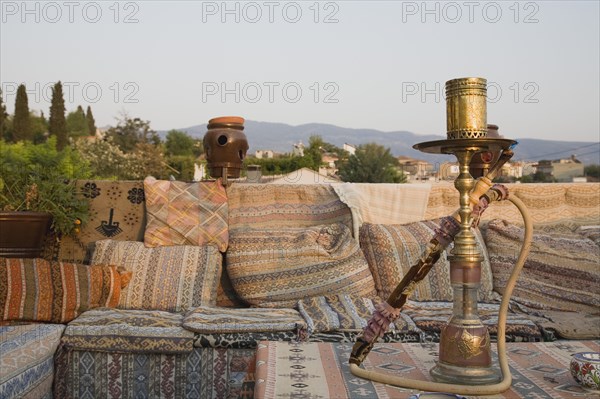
(91, 122)
(21, 121)
(130, 132)
(77, 124)
(179, 143)
(57, 122)
(3, 116)
(592, 170)
(372, 163)
(39, 127)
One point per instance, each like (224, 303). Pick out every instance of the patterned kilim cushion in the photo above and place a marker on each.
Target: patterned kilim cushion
(205, 319)
(39, 290)
(276, 268)
(432, 316)
(185, 213)
(174, 278)
(117, 330)
(393, 249)
(344, 312)
(116, 211)
(562, 271)
(271, 206)
(27, 359)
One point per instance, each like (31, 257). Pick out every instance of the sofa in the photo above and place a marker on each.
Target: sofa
(168, 288)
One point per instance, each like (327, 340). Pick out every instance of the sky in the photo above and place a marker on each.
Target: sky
(361, 64)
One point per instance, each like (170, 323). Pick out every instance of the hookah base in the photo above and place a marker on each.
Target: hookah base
(444, 372)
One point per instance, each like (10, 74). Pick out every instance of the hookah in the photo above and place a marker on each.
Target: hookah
(464, 366)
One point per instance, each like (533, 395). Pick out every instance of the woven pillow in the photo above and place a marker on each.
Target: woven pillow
(181, 213)
(56, 292)
(562, 270)
(174, 278)
(392, 250)
(276, 268)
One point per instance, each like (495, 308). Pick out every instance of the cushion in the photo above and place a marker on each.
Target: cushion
(431, 317)
(345, 312)
(210, 320)
(180, 213)
(174, 278)
(277, 267)
(271, 206)
(57, 292)
(392, 250)
(117, 330)
(27, 359)
(562, 271)
(116, 211)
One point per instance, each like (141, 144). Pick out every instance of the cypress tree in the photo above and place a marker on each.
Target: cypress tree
(21, 122)
(3, 115)
(57, 122)
(90, 121)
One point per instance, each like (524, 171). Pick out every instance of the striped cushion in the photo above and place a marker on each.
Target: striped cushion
(185, 213)
(164, 278)
(269, 206)
(57, 292)
(392, 250)
(562, 270)
(276, 268)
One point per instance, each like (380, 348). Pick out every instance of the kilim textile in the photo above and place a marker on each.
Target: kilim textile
(198, 374)
(118, 330)
(345, 312)
(392, 250)
(384, 203)
(301, 370)
(174, 278)
(116, 210)
(182, 213)
(40, 290)
(277, 267)
(207, 320)
(258, 206)
(547, 203)
(562, 271)
(27, 359)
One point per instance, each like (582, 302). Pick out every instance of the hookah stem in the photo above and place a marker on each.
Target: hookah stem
(432, 253)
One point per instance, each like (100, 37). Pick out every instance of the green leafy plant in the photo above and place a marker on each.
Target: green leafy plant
(37, 177)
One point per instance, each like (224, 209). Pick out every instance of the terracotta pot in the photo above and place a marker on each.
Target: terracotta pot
(225, 145)
(22, 234)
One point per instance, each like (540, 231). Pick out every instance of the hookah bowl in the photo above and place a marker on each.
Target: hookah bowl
(465, 352)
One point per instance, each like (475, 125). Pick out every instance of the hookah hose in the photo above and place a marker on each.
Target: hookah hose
(492, 389)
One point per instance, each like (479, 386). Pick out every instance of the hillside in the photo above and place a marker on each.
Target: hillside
(280, 137)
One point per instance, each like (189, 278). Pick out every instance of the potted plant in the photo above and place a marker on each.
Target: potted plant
(38, 195)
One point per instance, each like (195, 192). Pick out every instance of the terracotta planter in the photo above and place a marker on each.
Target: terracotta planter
(22, 234)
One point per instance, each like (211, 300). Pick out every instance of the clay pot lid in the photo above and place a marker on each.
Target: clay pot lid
(226, 120)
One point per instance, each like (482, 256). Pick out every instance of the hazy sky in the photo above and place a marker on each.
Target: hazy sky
(359, 64)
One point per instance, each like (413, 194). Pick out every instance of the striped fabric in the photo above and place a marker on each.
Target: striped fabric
(185, 213)
(276, 268)
(174, 278)
(562, 271)
(392, 250)
(270, 206)
(57, 292)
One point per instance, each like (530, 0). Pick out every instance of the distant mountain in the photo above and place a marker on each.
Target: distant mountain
(280, 137)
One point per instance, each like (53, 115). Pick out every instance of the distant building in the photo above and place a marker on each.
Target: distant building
(349, 148)
(260, 154)
(298, 149)
(416, 169)
(563, 170)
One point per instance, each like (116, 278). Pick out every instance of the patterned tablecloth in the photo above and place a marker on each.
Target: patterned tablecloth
(320, 370)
